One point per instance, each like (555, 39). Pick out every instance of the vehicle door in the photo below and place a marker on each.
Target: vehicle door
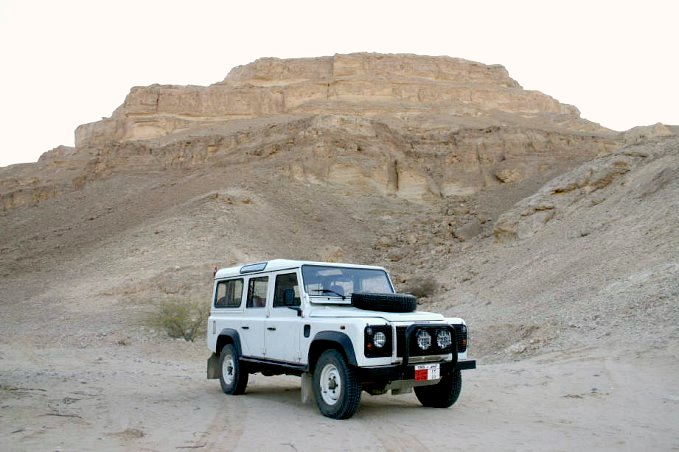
(252, 327)
(283, 325)
(227, 308)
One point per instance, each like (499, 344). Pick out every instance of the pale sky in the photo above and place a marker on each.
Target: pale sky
(70, 62)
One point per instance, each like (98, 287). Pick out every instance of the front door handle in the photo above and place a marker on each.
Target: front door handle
(271, 328)
(245, 327)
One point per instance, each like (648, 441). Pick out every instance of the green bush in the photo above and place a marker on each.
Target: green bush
(185, 320)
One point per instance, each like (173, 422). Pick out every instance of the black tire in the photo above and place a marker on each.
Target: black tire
(443, 394)
(236, 378)
(386, 302)
(336, 389)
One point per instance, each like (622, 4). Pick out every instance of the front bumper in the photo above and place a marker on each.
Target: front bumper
(385, 374)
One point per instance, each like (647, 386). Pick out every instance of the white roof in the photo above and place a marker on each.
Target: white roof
(280, 264)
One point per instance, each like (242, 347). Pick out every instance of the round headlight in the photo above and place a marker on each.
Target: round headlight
(379, 339)
(423, 339)
(443, 339)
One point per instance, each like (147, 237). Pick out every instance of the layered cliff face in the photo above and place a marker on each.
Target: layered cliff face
(418, 128)
(360, 84)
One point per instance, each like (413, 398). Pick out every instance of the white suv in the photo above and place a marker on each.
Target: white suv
(341, 327)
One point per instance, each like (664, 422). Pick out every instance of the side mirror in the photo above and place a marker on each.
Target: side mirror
(297, 309)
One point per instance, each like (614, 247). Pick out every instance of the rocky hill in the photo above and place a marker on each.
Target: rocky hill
(404, 125)
(547, 232)
(410, 161)
(591, 258)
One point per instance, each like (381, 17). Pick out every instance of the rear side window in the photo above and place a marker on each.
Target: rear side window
(257, 289)
(229, 293)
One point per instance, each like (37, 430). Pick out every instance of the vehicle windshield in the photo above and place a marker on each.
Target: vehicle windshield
(328, 281)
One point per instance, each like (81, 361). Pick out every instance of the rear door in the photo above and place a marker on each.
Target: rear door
(283, 325)
(252, 326)
(227, 309)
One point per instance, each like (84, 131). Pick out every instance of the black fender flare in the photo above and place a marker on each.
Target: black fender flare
(234, 339)
(341, 339)
(226, 336)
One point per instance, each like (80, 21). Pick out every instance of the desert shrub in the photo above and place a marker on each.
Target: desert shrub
(182, 319)
(421, 286)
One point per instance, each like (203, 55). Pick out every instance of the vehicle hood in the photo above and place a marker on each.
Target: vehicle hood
(335, 312)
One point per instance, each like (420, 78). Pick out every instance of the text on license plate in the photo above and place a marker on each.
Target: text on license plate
(425, 372)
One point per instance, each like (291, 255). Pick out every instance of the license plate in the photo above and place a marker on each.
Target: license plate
(424, 372)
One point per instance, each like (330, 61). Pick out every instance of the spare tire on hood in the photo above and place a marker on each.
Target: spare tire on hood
(386, 302)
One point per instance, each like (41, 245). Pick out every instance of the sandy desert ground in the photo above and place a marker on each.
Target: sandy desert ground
(154, 396)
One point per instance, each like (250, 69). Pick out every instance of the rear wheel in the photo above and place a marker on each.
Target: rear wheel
(336, 388)
(443, 394)
(233, 378)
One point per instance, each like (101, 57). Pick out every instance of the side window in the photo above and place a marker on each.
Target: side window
(283, 282)
(229, 293)
(257, 289)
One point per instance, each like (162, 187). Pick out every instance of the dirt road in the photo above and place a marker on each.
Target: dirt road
(154, 396)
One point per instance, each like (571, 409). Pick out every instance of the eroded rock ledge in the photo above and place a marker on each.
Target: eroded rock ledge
(415, 127)
(365, 84)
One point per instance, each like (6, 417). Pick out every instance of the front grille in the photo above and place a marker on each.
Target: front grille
(414, 349)
(400, 340)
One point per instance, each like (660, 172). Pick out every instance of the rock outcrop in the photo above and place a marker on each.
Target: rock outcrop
(415, 127)
(633, 171)
(363, 84)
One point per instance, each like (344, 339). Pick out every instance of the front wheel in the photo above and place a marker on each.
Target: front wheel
(233, 377)
(336, 388)
(443, 394)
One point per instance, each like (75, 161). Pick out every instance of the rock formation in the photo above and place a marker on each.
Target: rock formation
(550, 235)
(419, 128)
(632, 172)
(359, 84)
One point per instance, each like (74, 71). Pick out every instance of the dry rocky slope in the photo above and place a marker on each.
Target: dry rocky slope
(408, 161)
(554, 237)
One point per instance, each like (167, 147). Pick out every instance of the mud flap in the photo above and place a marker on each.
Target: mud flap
(214, 371)
(307, 388)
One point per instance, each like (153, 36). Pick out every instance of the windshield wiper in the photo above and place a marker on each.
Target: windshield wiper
(330, 291)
